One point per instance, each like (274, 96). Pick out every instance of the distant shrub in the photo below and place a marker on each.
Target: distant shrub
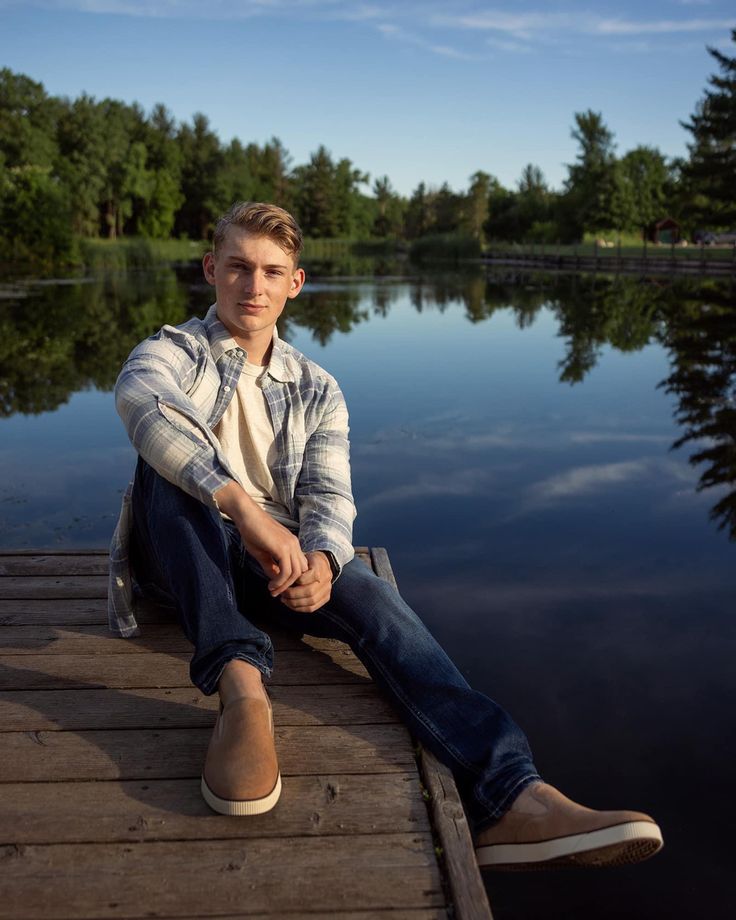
(446, 247)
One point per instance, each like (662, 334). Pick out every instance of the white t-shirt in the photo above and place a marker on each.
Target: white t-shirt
(246, 435)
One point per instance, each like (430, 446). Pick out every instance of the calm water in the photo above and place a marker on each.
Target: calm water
(512, 447)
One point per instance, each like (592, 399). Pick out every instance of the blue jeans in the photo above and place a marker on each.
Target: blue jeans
(184, 553)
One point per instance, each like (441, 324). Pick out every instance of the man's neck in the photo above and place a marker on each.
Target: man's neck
(258, 346)
(259, 352)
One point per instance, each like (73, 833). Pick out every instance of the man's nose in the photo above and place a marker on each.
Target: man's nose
(254, 282)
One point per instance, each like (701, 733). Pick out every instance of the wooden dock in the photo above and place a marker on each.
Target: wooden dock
(101, 745)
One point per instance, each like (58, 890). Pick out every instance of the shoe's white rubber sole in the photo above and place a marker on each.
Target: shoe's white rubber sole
(609, 846)
(241, 806)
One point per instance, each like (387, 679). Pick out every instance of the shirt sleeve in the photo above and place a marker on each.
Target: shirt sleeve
(323, 492)
(164, 425)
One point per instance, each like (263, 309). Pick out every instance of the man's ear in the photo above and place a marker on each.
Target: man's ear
(297, 283)
(208, 266)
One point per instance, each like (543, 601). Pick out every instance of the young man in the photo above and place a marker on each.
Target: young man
(242, 502)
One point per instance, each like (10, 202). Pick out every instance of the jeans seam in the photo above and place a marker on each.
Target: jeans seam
(498, 811)
(418, 715)
(260, 665)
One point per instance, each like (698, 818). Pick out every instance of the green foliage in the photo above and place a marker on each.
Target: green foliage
(27, 122)
(328, 201)
(136, 252)
(709, 174)
(51, 347)
(389, 219)
(107, 169)
(35, 216)
(446, 247)
(591, 179)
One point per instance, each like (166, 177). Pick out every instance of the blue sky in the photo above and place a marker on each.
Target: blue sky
(413, 90)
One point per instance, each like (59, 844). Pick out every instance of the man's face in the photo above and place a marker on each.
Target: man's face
(253, 279)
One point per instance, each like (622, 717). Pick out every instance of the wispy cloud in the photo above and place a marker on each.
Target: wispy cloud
(460, 484)
(525, 27)
(219, 9)
(587, 480)
(427, 25)
(617, 437)
(397, 33)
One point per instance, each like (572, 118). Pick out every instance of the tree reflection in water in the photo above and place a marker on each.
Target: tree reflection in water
(60, 338)
(702, 344)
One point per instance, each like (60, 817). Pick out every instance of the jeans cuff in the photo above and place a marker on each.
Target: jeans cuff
(207, 675)
(484, 814)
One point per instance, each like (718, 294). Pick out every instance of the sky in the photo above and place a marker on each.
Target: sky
(417, 91)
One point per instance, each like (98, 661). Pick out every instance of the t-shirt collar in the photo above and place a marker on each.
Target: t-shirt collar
(222, 342)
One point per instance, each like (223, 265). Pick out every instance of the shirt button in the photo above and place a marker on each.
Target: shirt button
(239, 352)
(226, 389)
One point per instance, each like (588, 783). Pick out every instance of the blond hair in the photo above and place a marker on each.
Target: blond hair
(261, 219)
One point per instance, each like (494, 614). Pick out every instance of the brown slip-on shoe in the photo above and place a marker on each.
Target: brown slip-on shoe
(241, 773)
(544, 829)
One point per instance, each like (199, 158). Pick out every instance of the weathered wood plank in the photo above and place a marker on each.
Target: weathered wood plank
(68, 778)
(54, 564)
(173, 809)
(178, 753)
(96, 639)
(451, 825)
(210, 877)
(72, 562)
(47, 672)
(90, 640)
(181, 707)
(61, 551)
(79, 586)
(435, 913)
(68, 612)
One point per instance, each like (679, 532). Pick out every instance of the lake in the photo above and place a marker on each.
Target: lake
(515, 444)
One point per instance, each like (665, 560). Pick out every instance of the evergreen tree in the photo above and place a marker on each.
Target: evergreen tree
(591, 180)
(205, 195)
(532, 206)
(417, 217)
(447, 210)
(389, 216)
(475, 212)
(711, 171)
(164, 163)
(501, 221)
(328, 201)
(270, 169)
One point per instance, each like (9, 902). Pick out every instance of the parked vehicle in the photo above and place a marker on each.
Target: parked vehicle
(710, 238)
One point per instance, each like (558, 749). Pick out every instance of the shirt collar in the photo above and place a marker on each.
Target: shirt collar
(222, 342)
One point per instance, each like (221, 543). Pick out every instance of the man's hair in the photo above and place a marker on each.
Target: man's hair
(261, 219)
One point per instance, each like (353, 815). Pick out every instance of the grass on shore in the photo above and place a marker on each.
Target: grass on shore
(627, 250)
(136, 252)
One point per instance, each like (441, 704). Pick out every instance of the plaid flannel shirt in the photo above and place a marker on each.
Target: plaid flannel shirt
(173, 390)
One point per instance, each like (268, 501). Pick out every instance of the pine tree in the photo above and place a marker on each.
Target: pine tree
(711, 172)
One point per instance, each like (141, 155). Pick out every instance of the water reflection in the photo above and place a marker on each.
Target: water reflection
(702, 342)
(57, 339)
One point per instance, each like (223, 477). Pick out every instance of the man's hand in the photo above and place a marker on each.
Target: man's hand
(274, 546)
(313, 589)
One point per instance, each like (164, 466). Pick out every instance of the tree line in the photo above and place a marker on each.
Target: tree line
(76, 168)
